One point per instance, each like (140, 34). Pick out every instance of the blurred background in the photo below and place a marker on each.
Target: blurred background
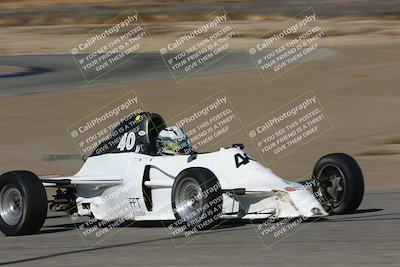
(356, 80)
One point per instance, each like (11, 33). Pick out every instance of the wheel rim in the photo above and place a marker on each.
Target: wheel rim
(332, 183)
(188, 199)
(11, 205)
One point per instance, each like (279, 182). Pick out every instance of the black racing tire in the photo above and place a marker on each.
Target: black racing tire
(204, 212)
(340, 171)
(23, 203)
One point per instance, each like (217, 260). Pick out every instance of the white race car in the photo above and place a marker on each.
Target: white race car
(126, 179)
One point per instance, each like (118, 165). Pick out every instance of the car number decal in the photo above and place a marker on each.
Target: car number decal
(242, 159)
(127, 141)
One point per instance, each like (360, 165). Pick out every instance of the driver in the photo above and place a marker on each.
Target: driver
(173, 140)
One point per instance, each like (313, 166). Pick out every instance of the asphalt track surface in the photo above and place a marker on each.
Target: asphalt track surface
(370, 237)
(46, 73)
(58, 72)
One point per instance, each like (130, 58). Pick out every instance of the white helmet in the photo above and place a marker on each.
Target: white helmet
(173, 140)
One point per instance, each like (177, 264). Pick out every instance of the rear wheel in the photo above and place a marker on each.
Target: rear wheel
(23, 203)
(197, 199)
(340, 182)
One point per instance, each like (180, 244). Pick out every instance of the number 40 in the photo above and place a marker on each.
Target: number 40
(127, 141)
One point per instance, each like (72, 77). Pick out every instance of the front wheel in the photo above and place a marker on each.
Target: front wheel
(340, 181)
(197, 199)
(23, 203)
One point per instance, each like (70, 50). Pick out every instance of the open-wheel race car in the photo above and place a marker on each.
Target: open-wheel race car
(128, 171)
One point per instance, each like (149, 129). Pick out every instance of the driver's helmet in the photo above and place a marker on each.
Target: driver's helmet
(173, 140)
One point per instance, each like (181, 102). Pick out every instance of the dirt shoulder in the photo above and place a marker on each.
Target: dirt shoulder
(58, 39)
(358, 88)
